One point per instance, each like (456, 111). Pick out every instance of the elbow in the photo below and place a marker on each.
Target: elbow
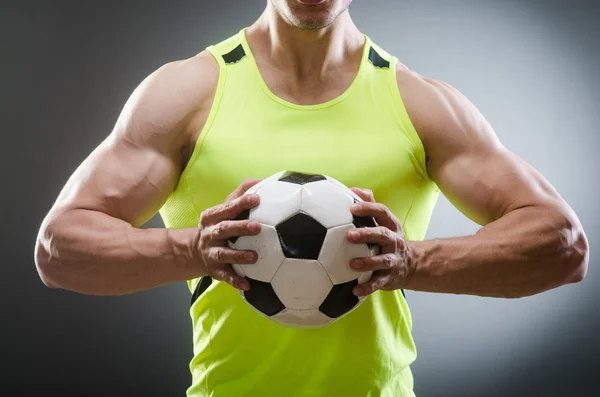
(578, 265)
(574, 248)
(46, 262)
(44, 265)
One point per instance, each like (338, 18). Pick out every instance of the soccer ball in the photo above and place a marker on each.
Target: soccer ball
(302, 277)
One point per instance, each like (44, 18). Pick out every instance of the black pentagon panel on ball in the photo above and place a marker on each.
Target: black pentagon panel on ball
(340, 300)
(301, 179)
(263, 297)
(301, 236)
(364, 221)
(245, 215)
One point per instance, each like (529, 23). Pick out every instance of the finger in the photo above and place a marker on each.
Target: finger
(383, 216)
(365, 194)
(377, 235)
(226, 229)
(225, 273)
(243, 188)
(228, 255)
(372, 263)
(376, 282)
(228, 210)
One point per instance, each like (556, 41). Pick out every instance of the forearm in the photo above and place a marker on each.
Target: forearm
(525, 252)
(92, 253)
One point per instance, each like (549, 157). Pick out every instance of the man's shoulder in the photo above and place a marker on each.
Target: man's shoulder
(191, 85)
(165, 104)
(421, 89)
(193, 80)
(434, 106)
(447, 122)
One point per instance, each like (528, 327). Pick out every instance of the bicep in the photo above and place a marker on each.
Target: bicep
(131, 174)
(487, 182)
(122, 180)
(477, 174)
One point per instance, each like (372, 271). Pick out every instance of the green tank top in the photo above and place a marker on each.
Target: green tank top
(363, 138)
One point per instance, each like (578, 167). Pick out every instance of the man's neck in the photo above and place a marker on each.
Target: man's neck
(306, 53)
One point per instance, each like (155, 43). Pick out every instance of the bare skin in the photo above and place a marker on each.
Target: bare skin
(90, 241)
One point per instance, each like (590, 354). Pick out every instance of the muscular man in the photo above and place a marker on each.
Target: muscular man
(303, 89)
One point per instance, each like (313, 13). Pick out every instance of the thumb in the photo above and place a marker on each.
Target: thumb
(241, 189)
(365, 194)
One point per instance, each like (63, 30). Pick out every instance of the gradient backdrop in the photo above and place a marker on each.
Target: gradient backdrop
(67, 69)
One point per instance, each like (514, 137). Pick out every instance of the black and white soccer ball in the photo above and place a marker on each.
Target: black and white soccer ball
(302, 277)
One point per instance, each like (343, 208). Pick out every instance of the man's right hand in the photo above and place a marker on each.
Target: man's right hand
(216, 226)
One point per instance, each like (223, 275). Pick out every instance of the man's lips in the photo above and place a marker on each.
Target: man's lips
(311, 2)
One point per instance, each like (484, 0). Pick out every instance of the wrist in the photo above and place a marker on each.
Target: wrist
(416, 253)
(411, 263)
(194, 260)
(182, 250)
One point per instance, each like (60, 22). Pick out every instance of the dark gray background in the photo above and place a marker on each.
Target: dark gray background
(68, 67)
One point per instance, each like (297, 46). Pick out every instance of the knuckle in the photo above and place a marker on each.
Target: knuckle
(219, 275)
(220, 255)
(384, 281)
(373, 286)
(383, 210)
(249, 200)
(401, 244)
(382, 231)
(243, 229)
(388, 261)
(231, 204)
(205, 238)
(212, 256)
(240, 204)
(388, 212)
(390, 234)
(211, 236)
(218, 230)
(204, 217)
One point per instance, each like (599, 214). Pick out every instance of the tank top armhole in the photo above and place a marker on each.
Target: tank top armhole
(191, 284)
(419, 149)
(213, 110)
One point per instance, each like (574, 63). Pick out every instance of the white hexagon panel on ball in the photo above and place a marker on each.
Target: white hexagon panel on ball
(337, 252)
(301, 284)
(327, 202)
(269, 252)
(278, 201)
(302, 318)
(341, 185)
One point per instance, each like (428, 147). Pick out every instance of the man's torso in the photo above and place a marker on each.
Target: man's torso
(361, 135)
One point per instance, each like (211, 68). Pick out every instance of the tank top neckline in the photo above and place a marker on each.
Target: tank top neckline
(331, 102)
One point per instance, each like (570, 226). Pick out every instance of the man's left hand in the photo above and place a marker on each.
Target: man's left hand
(392, 268)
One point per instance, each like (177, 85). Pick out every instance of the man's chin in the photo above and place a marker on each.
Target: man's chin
(312, 25)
